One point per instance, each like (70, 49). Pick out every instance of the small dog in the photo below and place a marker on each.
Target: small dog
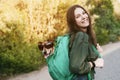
(46, 47)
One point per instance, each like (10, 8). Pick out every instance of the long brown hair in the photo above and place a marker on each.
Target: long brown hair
(73, 28)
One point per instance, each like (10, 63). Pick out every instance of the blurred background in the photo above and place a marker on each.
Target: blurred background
(23, 23)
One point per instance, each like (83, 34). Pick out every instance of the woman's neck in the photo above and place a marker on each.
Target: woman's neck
(84, 29)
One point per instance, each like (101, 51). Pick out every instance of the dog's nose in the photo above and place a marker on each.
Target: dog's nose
(44, 52)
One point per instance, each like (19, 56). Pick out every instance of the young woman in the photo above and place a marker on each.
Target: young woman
(84, 49)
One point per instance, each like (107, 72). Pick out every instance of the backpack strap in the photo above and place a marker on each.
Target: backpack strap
(72, 37)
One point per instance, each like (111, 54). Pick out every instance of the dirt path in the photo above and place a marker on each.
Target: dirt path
(35, 75)
(43, 73)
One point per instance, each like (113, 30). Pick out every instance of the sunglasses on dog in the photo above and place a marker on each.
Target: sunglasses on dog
(47, 45)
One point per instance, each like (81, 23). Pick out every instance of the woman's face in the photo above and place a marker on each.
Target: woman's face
(81, 18)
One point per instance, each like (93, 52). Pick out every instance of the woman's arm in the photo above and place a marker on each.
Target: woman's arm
(99, 62)
(79, 53)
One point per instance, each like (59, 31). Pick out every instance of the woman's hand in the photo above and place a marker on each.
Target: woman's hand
(99, 63)
(99, 48)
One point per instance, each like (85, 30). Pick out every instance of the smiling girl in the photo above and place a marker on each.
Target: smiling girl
(84, 55)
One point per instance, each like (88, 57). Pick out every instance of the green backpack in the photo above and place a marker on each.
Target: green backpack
(58, 62)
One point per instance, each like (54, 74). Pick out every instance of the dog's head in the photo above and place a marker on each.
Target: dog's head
(46, 47)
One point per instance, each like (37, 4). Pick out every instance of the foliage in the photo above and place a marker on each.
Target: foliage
(17, 56)
(106, 25)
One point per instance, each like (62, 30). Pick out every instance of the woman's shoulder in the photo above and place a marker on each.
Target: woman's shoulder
(81, 34)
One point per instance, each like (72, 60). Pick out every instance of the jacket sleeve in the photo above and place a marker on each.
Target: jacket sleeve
(78, 54)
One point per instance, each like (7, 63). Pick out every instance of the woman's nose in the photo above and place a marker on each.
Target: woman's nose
(83, 16)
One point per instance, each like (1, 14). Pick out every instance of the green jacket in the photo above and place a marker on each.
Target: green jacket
(81, 53)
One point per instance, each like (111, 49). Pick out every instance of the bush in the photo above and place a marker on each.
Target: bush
(18, 57)
(106, 26)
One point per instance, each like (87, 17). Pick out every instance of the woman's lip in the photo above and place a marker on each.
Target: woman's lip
(84, 20)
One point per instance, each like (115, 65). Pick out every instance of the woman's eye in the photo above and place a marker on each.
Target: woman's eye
(78, 16)
(84, 13)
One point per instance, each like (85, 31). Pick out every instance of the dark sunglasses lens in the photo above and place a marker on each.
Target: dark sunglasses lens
(49, 45)
(40, 46)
